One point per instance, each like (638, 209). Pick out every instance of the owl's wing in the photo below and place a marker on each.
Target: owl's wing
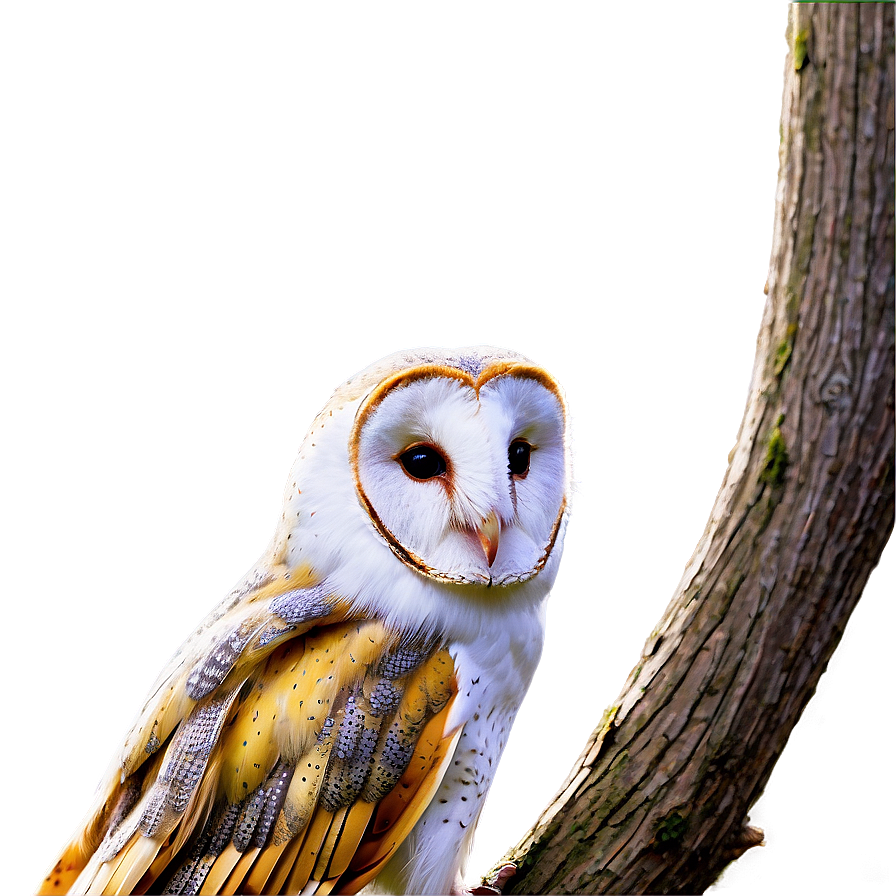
(289, 742)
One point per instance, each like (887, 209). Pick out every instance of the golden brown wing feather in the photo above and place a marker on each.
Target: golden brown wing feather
(293, 746)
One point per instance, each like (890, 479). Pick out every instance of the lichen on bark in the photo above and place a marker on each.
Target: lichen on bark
(659, 799)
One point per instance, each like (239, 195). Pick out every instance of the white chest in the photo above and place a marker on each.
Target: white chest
(493, 679)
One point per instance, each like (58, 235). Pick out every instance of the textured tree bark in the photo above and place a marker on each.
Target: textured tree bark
(658, 800)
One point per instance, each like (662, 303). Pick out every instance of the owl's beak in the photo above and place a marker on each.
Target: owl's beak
(489, 533)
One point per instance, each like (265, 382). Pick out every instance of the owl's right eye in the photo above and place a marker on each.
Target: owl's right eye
(423, 462)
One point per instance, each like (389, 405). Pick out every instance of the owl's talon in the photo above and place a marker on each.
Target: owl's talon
(495, 884)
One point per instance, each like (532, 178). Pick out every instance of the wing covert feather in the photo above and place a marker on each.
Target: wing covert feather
(292, 747)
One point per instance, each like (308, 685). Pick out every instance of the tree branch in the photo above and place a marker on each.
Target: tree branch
(658, 800)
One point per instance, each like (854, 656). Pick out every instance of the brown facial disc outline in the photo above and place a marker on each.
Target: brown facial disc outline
(434, 371)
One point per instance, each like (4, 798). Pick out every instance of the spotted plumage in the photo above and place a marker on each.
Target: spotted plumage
(338, 718)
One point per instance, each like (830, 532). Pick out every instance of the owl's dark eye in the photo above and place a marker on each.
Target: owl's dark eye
(423, 462)
(518, 457)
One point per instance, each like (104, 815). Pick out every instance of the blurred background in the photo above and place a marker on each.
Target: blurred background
(213, 214)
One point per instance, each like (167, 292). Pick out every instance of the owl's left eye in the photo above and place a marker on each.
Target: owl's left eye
(518, 457)
(423, 462)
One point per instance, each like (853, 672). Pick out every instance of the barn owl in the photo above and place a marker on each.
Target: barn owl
(338, 718)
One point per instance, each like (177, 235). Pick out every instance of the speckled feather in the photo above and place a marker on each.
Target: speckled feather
(338, 718)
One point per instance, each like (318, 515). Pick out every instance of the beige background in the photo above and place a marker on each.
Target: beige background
(212, 214)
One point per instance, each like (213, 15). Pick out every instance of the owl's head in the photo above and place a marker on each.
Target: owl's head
(460, 463)
(457, 462)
